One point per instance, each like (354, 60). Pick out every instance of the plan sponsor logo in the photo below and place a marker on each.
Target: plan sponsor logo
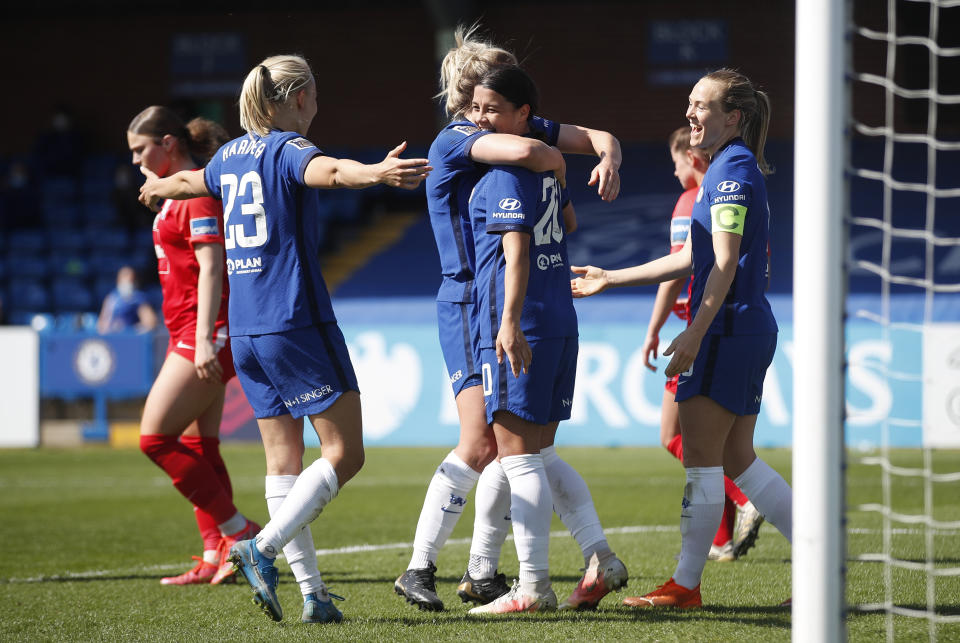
(549, 261)
(244, 266)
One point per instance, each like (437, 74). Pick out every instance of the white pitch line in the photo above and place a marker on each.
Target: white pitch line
(359, 549)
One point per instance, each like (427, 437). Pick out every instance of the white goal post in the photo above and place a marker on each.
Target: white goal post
(818, 305)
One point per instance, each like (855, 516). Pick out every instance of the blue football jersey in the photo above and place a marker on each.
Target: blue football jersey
(270, 231)
(515, 199)
(448, 189)
(733, 198)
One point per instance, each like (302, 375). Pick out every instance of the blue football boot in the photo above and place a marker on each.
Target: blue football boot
(260, 573)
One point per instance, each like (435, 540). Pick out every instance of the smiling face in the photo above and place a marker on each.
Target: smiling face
(491, 111)
(710, 126)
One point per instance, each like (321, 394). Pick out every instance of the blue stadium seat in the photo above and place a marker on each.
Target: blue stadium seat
(107, 238)
(60, 215)
(63, 239)
(28, 294)
(99, 212)
(107, 264)
(102, 285)
(71, 295)
(59, 190)
(22, 265)
(69, 264)
(28, 240)
(97, 189)
(42, 322)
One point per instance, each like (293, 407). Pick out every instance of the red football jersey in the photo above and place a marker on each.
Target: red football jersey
(679, 229)
(177, 227)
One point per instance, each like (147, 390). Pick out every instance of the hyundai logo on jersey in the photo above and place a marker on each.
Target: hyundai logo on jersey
(509, 204)
(728, 186)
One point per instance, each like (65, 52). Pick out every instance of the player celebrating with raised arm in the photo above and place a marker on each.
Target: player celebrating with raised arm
(689, 166)
(456, 155)
(724, 353)
(289, 353)
(181, 418)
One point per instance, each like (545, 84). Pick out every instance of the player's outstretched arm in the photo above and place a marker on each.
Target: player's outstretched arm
(187, 184)
(575, 139)
(593, 280)
(329, 172)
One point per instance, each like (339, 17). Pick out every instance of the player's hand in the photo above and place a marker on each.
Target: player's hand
(684, 350)
(513, 343)
(402, 173)
(148, 194)
(607, 179)
(650, 345)
(593, 281)
(205, 361)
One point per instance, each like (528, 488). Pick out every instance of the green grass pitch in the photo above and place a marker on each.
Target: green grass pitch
(86, 534)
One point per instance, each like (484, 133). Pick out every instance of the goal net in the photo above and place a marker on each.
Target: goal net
(878, 138)
(903, 260)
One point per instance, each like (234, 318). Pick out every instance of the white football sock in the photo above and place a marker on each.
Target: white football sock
(237, 522)
(445, 500)
(770, 494)
(314, 488)
(211, 556)
(699, 517)
(300, 552)
(491, 521)
(574, 506)
(531, 507)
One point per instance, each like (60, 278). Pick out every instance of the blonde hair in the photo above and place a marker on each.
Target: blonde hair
(200, 137)
(754, 105)
(269, 85)
(464, 66)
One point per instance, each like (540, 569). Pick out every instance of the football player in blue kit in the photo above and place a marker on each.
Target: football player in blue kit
(289, 353)
(723, 355)
(528, 330)
(459, 156)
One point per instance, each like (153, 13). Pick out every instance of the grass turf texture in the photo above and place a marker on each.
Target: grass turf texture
(88, 533)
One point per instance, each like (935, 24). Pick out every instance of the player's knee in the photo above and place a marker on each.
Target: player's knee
(346, 462)
(154, 446)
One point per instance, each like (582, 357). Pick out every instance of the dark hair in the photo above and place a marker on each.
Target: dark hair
(754, 105)
(201, 136)
(515, 85)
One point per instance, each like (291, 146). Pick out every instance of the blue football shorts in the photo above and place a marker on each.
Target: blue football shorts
(543, 394)
(730, 371)
(300, 372)
(459, 343)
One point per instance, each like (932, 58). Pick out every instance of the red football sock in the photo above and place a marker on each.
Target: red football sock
(675, 446)
(209, 450)
(725, 531)
(733, 492)
(192, 475)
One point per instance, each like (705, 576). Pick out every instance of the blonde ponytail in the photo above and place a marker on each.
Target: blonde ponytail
(464, 66)
(268, 85)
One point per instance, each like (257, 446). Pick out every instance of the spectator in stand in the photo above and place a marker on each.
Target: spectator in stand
(126, 306)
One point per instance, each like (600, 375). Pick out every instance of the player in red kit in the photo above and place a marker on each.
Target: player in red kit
(181, 418)
(690, 164)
